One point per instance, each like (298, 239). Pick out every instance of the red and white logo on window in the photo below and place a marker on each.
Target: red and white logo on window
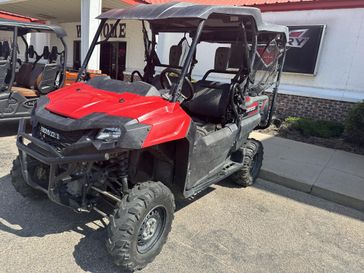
(297, 38)
(267, 55)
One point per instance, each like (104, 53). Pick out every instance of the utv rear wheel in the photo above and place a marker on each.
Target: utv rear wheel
(140, 225)
(253, 160)
(21, 186)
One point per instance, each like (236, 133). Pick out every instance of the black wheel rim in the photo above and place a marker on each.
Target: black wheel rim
(254, 168)
(151, 229)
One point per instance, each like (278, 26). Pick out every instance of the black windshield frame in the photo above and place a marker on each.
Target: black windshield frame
(246, 25)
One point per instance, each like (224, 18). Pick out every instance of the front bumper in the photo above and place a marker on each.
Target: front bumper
(60, 166)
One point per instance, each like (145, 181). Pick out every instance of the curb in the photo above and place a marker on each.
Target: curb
(339, 198)
(284, 181)
(326, 194)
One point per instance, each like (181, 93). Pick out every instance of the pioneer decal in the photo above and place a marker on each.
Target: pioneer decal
(30, 103)
(303, 48)
(50, 133)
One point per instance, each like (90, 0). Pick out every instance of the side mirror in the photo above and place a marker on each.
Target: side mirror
(31, 51)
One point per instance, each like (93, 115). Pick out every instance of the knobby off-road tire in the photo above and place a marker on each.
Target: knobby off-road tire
(21, 186)
(253, 160)
(149, 206)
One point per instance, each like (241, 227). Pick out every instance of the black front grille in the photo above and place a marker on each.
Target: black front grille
(57, 138)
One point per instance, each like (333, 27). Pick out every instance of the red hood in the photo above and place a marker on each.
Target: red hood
(168, 120)
(80, 100)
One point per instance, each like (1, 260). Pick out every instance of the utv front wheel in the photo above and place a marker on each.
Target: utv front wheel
(253, 160)
(140, 225)
(21, 186)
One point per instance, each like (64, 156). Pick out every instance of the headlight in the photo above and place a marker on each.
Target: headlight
(109, 134)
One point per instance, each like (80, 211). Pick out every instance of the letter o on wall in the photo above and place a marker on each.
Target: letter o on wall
(106, 30)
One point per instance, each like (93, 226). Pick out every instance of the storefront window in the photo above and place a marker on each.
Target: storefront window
(112, 58)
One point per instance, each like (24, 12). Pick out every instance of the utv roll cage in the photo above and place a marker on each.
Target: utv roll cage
(19, 90)
(20, 29)
(202, 23)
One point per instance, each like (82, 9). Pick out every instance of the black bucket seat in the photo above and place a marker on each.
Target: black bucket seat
(211, 99)
(37, 78)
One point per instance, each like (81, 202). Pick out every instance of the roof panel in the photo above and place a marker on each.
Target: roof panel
(223, 2)
(187, 10)
(33, 26)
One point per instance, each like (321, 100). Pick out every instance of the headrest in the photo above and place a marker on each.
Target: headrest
(54, 54)
(175, 54)
(31, 51)
(222, 57)
(236, 55)
(54, 50)
(6, 49)
(46, 52)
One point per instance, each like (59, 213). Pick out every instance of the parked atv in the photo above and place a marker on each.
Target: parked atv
(126, 150)
(25, 74)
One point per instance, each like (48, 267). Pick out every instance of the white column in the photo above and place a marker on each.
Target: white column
(90, 9)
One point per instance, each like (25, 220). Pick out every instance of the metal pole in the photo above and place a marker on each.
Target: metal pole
(90, 50)
(103, 214)
(26, 48)
(14, 57)
(275, 92)
(64, 61)
(107, 194)
(188, 61)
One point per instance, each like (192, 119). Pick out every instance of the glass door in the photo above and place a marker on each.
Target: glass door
(113, 59)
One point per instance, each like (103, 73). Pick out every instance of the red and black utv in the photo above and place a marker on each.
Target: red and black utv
(25, 73)
(127, 149)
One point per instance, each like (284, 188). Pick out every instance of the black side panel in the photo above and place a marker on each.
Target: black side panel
(247, 125)
(209, 154)
(14, 105)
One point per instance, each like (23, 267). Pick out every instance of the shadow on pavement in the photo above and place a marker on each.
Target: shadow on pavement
(91, 255)
(301, 197)
(28, 218)
(8, 128)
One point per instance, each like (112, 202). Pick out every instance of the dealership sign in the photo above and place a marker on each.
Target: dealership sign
(118, 32)
(303, 49)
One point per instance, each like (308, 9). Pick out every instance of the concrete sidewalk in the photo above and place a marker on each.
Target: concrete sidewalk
(331, 174)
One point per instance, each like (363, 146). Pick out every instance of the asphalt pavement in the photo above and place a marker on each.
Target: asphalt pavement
(264, 228)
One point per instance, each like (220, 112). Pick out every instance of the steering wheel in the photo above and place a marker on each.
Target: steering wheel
(167, 83)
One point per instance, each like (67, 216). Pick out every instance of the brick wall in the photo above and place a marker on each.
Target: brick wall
(315, 108)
